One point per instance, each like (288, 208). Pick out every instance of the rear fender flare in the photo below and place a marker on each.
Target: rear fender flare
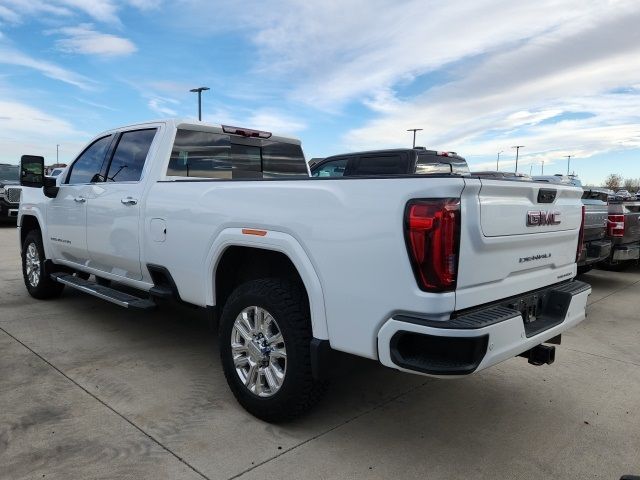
(280, 242)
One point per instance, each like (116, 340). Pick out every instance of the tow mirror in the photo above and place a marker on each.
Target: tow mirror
(32, 175)
(32, 171)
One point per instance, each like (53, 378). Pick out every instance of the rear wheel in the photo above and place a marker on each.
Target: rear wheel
(36, 278)
(265, 338)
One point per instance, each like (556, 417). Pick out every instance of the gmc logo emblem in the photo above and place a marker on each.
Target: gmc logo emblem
(539, 218)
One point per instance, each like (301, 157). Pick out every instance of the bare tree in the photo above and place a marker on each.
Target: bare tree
(613, 181)
(632, 184)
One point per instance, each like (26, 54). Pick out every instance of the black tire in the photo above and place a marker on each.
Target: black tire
(286, 302)
(44, 287)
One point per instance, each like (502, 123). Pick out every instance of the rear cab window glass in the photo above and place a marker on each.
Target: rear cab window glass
(88, 165)
(217, 155)
(130, 155)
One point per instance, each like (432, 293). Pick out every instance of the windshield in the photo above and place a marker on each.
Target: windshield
(9, 172)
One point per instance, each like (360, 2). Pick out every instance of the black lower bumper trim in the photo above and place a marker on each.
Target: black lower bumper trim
(436, 355)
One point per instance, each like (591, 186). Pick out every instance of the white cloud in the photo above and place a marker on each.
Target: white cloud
(105, 11)
(275, 122)
(8, 15)
(51, 70)
(19, 121)
(160, 105)
(84, 39)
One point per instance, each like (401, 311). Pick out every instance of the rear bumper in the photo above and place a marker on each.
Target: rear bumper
(482, 337)
(622, 253)
(595, 251)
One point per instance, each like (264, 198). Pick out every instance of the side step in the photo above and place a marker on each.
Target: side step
(106, 293)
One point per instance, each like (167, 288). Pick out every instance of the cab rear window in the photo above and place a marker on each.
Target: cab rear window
(217, 155)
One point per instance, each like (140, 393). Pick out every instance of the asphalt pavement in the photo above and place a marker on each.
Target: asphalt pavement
(92, 391)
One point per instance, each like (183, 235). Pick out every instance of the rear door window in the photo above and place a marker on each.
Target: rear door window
(130, 155)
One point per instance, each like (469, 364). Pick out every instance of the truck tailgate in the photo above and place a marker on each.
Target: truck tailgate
(516, 236)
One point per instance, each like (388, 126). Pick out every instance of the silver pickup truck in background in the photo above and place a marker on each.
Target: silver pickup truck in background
(624, 230)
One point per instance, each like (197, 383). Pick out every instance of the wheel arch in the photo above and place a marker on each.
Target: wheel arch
(273, 254)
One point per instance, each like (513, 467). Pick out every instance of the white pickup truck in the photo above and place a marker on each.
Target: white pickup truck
(441, 275)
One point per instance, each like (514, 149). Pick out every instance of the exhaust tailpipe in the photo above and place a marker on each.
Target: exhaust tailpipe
(540, 355)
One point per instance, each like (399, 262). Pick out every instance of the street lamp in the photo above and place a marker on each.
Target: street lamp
(517, 147)
(57, 150)
(568, 162)
(199, 91)
(498, 161)
(414, 130)
(542, 173)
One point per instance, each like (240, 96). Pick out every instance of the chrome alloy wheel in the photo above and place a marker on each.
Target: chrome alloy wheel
(258, 350)
(33, 267)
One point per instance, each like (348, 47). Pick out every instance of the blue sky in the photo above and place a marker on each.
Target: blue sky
(560, 77)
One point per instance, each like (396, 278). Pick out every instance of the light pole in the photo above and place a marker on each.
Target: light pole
(57, 150)
(568, 162)
(542, 173)
(498, 161)
(199, 91)
(414, 130)
(517, 147)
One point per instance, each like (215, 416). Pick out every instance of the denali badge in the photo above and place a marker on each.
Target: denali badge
(538, 218)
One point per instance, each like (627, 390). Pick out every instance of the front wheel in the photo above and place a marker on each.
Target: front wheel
(38, 283)
(265, 338)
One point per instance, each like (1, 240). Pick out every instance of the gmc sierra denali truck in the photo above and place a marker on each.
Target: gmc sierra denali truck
(441, 274)
(9, 191)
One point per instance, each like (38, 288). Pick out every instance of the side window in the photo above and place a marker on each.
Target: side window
(89, 163)
(388, 164)
(333, 168)
(130, 154)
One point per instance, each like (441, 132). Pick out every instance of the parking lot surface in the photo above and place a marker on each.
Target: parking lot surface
(89, 390)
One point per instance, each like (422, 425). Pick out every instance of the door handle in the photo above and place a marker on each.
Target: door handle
(129, 201)
(79, 199)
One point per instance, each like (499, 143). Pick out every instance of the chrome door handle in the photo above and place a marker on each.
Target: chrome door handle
(129, 201)
(79, 199)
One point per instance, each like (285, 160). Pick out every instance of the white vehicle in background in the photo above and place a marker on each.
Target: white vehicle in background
(441, 275)
(56, 171)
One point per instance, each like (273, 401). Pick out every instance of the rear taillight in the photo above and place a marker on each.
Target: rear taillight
(615, 226)
(432, 232)
(581, 236)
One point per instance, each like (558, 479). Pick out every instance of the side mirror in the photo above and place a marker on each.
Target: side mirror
(32, 171)
(32, 175)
